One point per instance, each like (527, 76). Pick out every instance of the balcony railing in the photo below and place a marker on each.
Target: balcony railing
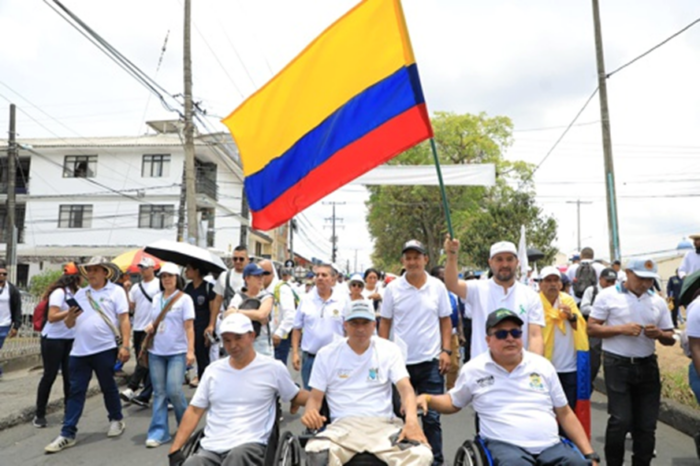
(207, 187)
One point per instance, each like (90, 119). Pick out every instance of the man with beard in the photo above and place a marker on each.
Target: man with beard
(500, 291)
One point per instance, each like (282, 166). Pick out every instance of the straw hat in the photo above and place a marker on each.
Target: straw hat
(113, 271)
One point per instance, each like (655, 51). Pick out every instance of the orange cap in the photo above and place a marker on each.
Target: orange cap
(70, 269)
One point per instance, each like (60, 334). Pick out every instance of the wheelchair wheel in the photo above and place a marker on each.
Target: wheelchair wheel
(192, 444)
(365, 459)
(469, 454)
(289, 451)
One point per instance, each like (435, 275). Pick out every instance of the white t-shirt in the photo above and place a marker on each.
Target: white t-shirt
(5, 311)
(142, 306)
(690, 264)
(236, 282)
(263, 343)
(692, 326)
(564, 353)
(358, 384)
(321, 321)
(617, 306)
(516, 407)
(416, 315)
(170, 337)
(58, 330)
(485, 296)
(92, 334)
(241, 403)
(571, 273)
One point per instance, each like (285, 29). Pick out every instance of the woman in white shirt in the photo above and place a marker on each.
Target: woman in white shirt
(373, 290)
(56, 339)
(171, 352)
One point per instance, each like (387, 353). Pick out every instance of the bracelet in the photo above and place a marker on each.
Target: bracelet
(427, 399)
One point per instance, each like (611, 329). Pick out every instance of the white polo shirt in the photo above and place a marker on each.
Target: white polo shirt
(58, 330)
(143, 305)
(617, 306)
(516, 407)
(484, 297)
(690, 264)
(692, 327)
(241, 402)
(92, 334)
(321, 321)
(170, 337)
(358, 384)
(415, 314)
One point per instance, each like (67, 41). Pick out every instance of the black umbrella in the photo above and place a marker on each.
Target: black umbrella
(185, 253)
(691, 284)
(534, 255)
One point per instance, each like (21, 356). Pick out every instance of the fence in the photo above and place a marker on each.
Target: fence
(27, 342)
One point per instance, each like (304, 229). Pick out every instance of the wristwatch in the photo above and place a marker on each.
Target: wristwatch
(449, 352)
(573, 318)
(593, 456)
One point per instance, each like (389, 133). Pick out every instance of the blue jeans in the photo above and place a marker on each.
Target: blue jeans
(167, 375)
(694, 381)
(307, 363)
(81, 369)
(282, 350)
(426, 378)
(506, 454)
(4, 331)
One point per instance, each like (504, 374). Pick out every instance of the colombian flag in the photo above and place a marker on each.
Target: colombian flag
(347, 103)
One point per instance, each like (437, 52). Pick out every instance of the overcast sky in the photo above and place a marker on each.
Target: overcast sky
(533, 61)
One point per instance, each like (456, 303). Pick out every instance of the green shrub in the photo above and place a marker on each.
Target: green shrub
(674, 385)
(40, 282)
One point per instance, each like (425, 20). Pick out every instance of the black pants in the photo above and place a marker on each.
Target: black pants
(140, 373)
(634, 394)
(201, 351)
(467, 327)
(55, 355)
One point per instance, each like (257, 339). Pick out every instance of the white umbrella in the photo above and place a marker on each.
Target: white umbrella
(185, 253)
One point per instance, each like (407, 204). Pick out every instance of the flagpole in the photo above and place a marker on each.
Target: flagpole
(442, 189)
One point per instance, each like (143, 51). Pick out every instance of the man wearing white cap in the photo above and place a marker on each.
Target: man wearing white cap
(630, 318)
(356, 374)
(502, 291)
(239, 394)
(691, 261)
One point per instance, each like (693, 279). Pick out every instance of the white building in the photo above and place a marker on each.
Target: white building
(86, 196)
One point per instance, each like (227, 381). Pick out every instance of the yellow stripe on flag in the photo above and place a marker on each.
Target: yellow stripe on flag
(366, 45)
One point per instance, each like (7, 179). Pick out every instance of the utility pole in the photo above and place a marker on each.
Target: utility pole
(11, 239)
(610, 195)
(191, 196)
(578, 203)
(334, 237)
(292, 222)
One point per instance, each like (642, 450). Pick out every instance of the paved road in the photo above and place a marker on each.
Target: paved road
(23, 445)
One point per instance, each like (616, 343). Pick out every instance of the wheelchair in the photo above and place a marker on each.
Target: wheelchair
(475, 453)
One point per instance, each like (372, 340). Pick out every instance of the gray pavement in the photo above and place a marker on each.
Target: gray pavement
(23, 444)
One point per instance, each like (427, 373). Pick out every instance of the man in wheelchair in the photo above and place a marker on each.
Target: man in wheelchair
(355, 374)
(518, 399)
(240, 393)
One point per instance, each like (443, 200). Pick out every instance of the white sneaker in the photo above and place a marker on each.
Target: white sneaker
(127, 395)
(170, 406)
(152, 443)
(116, 428)
(59, 444)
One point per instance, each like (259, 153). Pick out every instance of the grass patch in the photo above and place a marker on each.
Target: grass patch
(675, 386)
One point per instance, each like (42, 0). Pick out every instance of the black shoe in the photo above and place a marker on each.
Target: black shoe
(696, 437)
(39, 422)
(140, 402)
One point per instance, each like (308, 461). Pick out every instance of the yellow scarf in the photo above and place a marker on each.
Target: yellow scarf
(555, 319)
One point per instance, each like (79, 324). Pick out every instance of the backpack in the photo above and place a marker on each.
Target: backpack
(585, 277)
(251, 304)
(40, 315)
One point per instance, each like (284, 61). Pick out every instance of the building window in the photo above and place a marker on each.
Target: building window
(156, 216)
(75, 216)
(155, 166)
(80, 166)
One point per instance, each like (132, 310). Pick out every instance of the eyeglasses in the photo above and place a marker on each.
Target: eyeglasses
(503, 334)
(239, 259)
(357, 285)
(3, 274)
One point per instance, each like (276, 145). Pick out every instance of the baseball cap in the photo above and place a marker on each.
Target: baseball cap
(414, 245)
(549, 270)
(236, 323)
(643, 267)
(357, 277)
(254, 270)
(70, 269)
(360, 310)
(499, 315)
(503, 246)
(608, 274)
(147, 262)
(169, 267)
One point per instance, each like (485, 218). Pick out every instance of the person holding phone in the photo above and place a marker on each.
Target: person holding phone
(102, 335)
(56, 339)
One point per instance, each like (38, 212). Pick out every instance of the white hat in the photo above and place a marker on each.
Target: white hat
(236, 323)
(147, 262)
(360, 310)
(357, 277)
(503, 246)
(549, 270)
(170, 268)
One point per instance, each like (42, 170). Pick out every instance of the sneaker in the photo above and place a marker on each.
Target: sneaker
(39, 422)
(127, 395)
(152, 443)
(170, 406)
(116, 428)
(61, 443)
(140, 402)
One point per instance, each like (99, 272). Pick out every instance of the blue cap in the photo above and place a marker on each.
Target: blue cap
(360, 310)
(254, 270)
(643, 267)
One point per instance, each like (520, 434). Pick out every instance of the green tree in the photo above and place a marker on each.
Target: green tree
(41, 282)
(480, 216)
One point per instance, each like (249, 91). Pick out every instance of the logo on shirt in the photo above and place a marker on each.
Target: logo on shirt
(200, 300)
(522, 310)
(336, 312)
(536, 382)
(485, 381)
(373, 375)
(343, 373)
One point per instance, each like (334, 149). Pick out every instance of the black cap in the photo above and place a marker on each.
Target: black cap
(414, 245)
(608, 274)
(499, 315)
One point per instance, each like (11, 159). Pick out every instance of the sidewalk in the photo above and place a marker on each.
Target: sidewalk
(18, 394)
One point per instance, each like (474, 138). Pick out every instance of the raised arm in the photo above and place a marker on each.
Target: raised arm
(452, 281)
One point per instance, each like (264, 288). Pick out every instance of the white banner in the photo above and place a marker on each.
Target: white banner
(426, 175)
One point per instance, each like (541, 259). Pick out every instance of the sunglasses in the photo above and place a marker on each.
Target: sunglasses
(503, 334)
(3, 274)
(357, 285)
(239, 259)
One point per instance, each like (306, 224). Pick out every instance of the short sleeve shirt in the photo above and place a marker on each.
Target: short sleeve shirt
(690, 264)
(201, 296)
(486, 296)
(92, 334)
(693, 325)
(58, 330)
(170, 337)
(142, 303)
(236, 282)
(321, 321)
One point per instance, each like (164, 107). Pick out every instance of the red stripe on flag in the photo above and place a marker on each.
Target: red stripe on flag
(376, 147)
(583, 413)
